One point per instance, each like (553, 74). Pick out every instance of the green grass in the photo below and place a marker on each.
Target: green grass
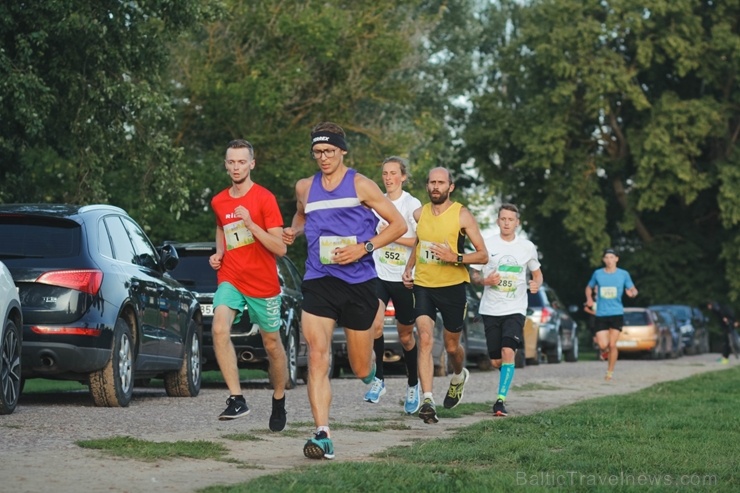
(134, 448)
(674, 436)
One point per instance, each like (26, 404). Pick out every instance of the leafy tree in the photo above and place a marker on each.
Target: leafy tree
(268, 71)
(84, 114)
(615, 123)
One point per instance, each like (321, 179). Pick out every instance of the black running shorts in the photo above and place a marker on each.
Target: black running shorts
(450, 301)
(353, 306)
(402, 297)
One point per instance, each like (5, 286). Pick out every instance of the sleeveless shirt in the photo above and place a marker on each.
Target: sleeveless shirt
(333, 219)
(430, 271)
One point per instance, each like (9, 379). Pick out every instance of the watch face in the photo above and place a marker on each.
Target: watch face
(369, 247)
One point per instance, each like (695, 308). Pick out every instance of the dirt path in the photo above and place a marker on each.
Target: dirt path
(38, 454)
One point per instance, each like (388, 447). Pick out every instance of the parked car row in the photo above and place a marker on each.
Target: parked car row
(664, 331)
(86, 297)
(98, 305)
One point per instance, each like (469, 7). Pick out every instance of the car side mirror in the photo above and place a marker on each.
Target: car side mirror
(169, 257)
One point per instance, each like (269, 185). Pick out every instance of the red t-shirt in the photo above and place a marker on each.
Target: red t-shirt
(247, 264)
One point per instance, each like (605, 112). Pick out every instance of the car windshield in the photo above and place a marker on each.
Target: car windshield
(195, 273)
(25, 237)
(636, 318)
(682, 312)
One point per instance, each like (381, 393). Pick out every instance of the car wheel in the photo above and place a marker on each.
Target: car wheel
(519, 360)
(659, 351)
(555, 355)
(537, 358)
(113, 385)
(291, 354)
(705, 342)
(185, 382)
(10, 368)
(571, 355)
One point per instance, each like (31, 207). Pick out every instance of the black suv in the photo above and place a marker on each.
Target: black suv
(558, 335)
(196, 274)
(98, 304)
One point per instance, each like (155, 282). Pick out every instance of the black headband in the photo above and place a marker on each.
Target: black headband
(328, 138)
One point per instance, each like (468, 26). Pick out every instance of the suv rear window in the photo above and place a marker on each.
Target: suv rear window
(28, 237)
(636, 318)
(194, 272)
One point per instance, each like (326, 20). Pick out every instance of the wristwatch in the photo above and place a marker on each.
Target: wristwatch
(459, 259)
(369, 247)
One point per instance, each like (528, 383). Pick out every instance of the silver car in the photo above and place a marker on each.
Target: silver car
(10, 342)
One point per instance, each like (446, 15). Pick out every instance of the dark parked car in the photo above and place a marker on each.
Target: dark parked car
(98, 303)
(558, 335)
(693, 326)
(196, 274)
(473, 339)
(10, 342)
(674, 328)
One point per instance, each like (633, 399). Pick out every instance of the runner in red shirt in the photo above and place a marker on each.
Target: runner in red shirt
(249, 230)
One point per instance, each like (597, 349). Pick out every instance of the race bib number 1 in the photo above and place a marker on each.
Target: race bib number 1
(237, 235)
(327, 245)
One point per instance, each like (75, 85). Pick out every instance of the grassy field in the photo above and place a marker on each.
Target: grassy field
(674, 436)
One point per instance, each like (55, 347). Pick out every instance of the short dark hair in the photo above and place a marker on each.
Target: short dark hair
(241, 144)
(509, 207)
(328, 127)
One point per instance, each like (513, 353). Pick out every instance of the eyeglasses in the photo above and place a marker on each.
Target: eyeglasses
(329, 153)
(241, 162)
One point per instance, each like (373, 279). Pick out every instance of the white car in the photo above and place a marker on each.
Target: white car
(10, 342)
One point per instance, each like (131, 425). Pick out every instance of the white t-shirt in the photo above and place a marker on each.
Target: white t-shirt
(511, 259)
(390, 261)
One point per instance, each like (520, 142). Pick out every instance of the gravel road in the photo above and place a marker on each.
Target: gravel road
(38, 451)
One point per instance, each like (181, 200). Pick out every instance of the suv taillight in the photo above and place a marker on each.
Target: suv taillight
(85, 280)
(546, 315)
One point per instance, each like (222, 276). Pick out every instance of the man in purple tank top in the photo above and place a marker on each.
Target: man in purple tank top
(334, 210)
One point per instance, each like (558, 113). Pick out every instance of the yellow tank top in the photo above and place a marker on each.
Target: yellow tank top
(430, 271)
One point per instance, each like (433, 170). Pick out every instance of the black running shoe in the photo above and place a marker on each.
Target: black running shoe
(455, 392)
(428, 411)
(499, 409)
(236, 407)
(278, 416)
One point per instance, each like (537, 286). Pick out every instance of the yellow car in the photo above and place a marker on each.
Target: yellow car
(645, 331)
